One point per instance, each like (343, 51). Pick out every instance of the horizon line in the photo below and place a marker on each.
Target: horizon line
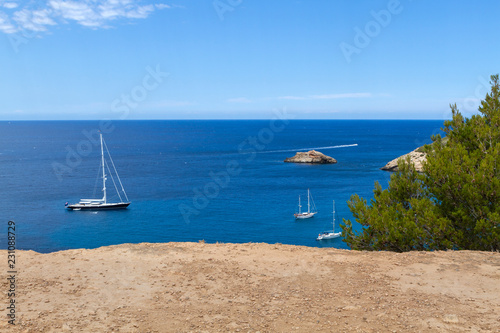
(216, 119)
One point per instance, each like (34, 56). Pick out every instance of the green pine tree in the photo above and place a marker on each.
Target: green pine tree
(453, 204)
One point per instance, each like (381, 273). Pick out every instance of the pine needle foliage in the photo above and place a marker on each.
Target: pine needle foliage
(453, 204)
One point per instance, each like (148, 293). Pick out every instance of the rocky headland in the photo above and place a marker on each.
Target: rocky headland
(417, 157)
(197, 287)
(312, 156)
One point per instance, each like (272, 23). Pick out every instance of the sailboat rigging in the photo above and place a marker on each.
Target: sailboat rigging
(103, 204)
(310, 213)
(330, 234)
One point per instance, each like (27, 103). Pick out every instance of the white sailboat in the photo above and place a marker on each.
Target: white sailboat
(309, 213)
(330, 234)
(103, 204)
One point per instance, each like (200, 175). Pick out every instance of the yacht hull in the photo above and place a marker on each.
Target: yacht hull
(328, 235)
(106, 206)
(304, 216)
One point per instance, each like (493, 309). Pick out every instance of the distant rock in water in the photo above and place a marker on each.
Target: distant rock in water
(417, 157)
(313, 157)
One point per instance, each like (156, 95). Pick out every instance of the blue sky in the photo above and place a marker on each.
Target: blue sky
(242, 59)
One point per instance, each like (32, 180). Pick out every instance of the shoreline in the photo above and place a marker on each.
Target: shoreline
(174, 287)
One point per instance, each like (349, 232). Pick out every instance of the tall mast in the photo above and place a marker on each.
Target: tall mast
(103, 172)
(308, 203)
(299, 205)
(333, 215)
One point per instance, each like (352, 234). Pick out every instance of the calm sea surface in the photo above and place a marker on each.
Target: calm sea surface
(218, 181)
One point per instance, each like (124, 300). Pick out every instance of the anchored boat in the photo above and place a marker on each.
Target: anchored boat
(310, 213)
(330, 234)
(103, 204)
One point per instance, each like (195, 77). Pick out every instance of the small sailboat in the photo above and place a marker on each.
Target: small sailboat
(103, 204)
(330, 234)
(309, 213)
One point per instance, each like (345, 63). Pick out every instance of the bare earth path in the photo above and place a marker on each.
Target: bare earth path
(181, 287)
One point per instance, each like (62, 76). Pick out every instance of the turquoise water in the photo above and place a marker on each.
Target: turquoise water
(218, 181)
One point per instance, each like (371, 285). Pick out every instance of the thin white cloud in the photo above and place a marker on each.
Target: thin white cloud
(5, 24)
(36, 20)
(162, 6)
(80, 12)
(337, 96)
(292, 97)
(239, 100)
(89, 13)
(140, 12)
(10, 5)
(327, 96)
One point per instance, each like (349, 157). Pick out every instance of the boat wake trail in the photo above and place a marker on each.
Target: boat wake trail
(307, 149)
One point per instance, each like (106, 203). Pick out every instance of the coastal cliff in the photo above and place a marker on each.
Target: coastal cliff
(417, 157)
(182, 287)
(312, 156)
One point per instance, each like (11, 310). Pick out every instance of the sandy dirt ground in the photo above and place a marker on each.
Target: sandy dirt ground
(197, 287)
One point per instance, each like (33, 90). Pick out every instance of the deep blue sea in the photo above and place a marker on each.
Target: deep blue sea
(218, 181)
